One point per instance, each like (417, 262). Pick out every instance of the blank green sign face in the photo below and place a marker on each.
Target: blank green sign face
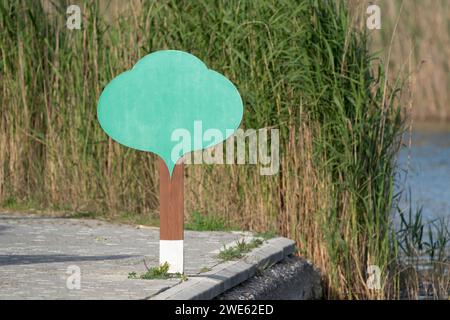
(164, 92)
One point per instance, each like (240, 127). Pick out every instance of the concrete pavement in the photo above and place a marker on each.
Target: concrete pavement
(39, 258)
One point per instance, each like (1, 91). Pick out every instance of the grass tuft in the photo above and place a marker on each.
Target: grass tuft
(239, 250)
(209, 222)
(159, 272)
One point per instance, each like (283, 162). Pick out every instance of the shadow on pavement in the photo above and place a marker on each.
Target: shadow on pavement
(13, 259)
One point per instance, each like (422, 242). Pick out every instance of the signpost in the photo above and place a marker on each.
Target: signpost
(171, 211)
(163, 105)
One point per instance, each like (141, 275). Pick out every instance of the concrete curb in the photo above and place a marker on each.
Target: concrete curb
(227, 275)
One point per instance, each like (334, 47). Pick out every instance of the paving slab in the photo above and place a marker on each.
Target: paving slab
(40, 256)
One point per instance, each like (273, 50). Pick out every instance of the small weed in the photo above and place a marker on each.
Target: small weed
(182, 277)
(205, 269)
(159, 272)
(239, 250)
(100, 238)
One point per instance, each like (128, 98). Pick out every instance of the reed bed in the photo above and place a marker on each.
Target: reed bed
(301, 66)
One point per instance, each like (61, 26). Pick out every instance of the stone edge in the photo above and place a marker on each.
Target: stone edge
(227, 275)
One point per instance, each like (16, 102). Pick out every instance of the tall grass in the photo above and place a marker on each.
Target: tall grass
(54, 153)
(300, 66)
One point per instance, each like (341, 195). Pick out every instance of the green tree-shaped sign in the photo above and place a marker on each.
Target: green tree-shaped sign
(164, 92)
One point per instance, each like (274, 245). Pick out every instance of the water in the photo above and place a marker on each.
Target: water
(428, 174)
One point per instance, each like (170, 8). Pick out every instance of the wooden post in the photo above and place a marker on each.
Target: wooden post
(171, 210)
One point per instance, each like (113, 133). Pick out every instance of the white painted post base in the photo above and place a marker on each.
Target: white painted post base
(171, 251)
